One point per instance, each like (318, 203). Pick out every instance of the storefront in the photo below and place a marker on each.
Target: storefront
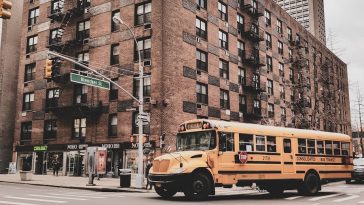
(130, 159)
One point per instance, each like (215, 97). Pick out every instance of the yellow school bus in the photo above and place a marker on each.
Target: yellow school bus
(212, 153)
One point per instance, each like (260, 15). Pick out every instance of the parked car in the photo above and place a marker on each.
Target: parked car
(358, 173)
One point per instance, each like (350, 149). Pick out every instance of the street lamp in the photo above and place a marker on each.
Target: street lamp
(140, 176)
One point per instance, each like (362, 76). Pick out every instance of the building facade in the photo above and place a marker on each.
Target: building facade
(309, 13)
(9, 63)
(216, 59)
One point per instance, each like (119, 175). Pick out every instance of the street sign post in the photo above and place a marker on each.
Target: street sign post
(77, 78)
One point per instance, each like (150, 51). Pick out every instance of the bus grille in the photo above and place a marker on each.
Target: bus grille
(160, 166)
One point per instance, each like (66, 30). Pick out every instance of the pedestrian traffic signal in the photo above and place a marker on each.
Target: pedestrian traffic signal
(5, 7)
(48, 68)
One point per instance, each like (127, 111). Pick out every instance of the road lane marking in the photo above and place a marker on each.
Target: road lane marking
(74, 195)
(57, 197)
(293, 197)
(324, 197)
(15, 203)
(350, 196)
(32, 199)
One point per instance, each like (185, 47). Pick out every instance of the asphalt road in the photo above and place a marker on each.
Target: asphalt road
(18, 194)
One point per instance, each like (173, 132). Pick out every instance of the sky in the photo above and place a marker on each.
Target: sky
(345, 25)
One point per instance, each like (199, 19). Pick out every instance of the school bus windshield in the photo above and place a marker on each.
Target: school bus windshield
(203, 140)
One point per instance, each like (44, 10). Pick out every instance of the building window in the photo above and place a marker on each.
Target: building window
(114, 58)
(270, 110)
(113, 125)
(256, 108)
(113, 94)
(83, 30)
(56, 36)
(269, 64)
(26, 131)
(52, 98)
(224, 99)
(83, 58)
(146, 86)
(283, 113)
(240, 23)
(143, 13)
(289, 34)
(144, 47)
(79, 128)
(242, 76)
(29, 73)
(242, 103)
(292, 95)
(281, 69)
(291, 76)
(201, 28)
(268, 40)
(115, 26)
(270, 87)
(279, 26)
(202, 93)
(223, 40)
(290, 54)
(201, 4)
(201, 60)
(224, 69)
(50, 129)
(256, 81)
(80, 94)
(282, 93)
(241, 49)
(28, 100)
(33, 16)
(57, 6)
(32, 42)
(222, 11)
(280, 47)
(268, 18)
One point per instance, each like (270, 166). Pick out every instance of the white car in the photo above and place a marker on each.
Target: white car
(358, 173)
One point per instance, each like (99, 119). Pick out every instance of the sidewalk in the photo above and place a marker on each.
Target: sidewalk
(104, 184)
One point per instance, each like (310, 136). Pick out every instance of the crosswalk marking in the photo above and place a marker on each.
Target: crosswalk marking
(15, 203)
(350, 196)
(324, 197)
(293, 197)
(32, 199)
(57, 197)
(74, 195)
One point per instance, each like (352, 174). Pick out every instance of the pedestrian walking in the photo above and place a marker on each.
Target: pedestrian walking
(55, 167)
(147, 168)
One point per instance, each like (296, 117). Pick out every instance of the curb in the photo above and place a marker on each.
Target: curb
(95, 188)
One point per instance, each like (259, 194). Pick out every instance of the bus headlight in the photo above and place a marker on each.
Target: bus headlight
(178, 170)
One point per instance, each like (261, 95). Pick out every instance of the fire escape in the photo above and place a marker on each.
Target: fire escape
(63, 15)
(251, 58)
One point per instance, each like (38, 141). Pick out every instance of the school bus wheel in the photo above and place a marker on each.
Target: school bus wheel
(198, 188)
(166, 190)
(311, 184)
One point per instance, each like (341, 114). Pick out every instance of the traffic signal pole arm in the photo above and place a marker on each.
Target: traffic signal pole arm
(94, 71)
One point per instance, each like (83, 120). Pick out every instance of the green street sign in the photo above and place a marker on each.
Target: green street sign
(76, 78)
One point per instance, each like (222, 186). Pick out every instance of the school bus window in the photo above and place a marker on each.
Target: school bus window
(302, 146)
(328, 147)
(246, 142)
(203, 140)
(271, 144)
(336, 148)
(226, 141)
(311, 146)
(345, 148)
(287, 145)
(260, 143)
(320, 147)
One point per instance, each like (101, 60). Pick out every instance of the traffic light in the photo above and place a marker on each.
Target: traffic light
(5, 7)
(48, 68)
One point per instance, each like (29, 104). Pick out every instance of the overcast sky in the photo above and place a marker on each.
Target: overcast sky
(345, 22)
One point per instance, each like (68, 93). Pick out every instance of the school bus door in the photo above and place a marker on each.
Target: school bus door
(226, 152)
(287, 156)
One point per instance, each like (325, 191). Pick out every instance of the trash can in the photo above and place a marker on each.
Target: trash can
(125, 177)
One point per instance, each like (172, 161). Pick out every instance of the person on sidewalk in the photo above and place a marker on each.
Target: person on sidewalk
(147, 168)
(55, 167)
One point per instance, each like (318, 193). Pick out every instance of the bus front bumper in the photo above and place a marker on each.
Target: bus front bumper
(167, 178)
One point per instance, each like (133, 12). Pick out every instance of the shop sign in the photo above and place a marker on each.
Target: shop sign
(12, 168)
(40, 148)
(145, 145)
(76, 146)
(111, 146)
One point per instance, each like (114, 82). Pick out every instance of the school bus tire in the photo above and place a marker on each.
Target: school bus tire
(198, 188)
(166, 191)
(311, 184)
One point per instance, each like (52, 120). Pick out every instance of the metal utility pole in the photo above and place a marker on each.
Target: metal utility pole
(360, 125)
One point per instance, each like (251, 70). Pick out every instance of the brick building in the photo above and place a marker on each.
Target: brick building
(221, 60)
